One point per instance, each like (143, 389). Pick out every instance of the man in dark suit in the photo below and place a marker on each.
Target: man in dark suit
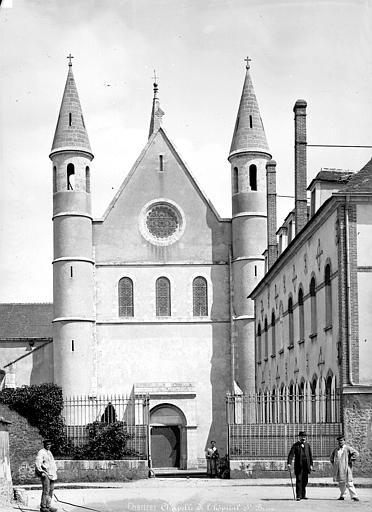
(303, 464)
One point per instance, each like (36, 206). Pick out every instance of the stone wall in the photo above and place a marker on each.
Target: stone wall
(5, 475)
(357, 414)
(101, 470)
(272, 469)
(24, 443)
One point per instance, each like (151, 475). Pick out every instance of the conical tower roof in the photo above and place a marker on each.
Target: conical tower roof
(70, 133)
(249, 133)
(156, 112)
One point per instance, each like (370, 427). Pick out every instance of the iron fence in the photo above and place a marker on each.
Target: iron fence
(266, 426)
(133, 412)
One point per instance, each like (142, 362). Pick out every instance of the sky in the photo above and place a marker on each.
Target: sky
(320, 51)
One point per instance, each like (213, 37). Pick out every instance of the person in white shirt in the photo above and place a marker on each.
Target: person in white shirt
(45, 469)
(342, 458)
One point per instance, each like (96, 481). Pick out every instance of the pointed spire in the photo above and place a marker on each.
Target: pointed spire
(70, 132)
(156, 112)
(249, 133)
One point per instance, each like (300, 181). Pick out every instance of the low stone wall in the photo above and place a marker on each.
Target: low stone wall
(6, 489)
(240, 468)
(24, 443)
(357, 415)
(101, 470)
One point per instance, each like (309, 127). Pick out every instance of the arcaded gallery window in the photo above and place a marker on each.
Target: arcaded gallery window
(163, 297)
(126, 297)
(200, 296)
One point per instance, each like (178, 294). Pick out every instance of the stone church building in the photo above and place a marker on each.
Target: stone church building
(152, 297)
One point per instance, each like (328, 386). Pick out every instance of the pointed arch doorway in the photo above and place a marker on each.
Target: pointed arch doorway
(168, 437)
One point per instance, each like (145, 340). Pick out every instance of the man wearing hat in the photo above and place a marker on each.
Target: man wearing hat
(342, 459)
(45, 468)
(303, 464)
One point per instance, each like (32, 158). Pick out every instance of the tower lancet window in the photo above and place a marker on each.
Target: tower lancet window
(70, 177)
(161, 163)
(72, 346)
(54, 179)
(253, 177)
(235, 180)
(87, 179)
(69, 119)
(82, 120)
(250, 122)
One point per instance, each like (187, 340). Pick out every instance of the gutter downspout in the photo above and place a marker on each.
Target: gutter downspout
(232, 339)
(348, 336)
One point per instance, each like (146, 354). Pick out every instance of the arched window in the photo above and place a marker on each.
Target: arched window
(258, 348)
(314, 400)
(291, 403)
(301, 403)
(126, 297)
(200, 296)
(54, 179)
(253, 177)
(290, 322)
(301, 316)
(329, 399)
(70, 177)
(266, 339)
(281, 326)
(328, 295)
(87, 180)
(235, 180)
(163, 297)
(313, 307)
(273, 334)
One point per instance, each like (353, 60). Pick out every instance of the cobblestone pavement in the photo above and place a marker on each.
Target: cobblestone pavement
(188, 495)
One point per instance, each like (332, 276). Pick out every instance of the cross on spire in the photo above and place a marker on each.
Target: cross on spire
(70, 57)
(247, 60)
(155, 78)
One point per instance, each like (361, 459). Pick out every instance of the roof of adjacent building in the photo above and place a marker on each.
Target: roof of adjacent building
(332, 175)
(361, 181)
(70, 131)
(33, 320)
(249, 133)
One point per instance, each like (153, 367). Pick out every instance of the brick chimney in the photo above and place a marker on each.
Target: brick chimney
(272, 244)
(300, 164)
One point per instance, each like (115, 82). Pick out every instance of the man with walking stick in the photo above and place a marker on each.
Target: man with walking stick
(303, 464)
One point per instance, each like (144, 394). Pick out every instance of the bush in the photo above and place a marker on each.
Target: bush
(42, 406)
(106, 441)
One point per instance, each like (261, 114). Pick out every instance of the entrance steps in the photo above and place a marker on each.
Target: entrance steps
(179, 473)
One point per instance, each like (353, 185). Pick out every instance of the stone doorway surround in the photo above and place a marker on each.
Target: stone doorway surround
(179, 397)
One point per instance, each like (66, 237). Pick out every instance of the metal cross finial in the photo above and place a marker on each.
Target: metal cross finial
(70, 57)
(155, 78)
(247, 60)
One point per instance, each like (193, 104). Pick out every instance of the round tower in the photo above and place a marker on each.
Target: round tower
(73, 265)
(248, 156)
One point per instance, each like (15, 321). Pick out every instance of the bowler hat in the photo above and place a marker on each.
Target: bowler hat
(341, 436)
(47, 441)
(302, 434)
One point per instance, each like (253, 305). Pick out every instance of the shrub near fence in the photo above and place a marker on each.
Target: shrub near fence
(122, 420)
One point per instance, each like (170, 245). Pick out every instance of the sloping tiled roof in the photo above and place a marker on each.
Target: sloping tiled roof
(334, 175)
(361, 181)
(26, 320)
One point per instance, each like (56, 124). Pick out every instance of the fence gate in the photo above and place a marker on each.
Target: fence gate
(132, 412)
(265, 427)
